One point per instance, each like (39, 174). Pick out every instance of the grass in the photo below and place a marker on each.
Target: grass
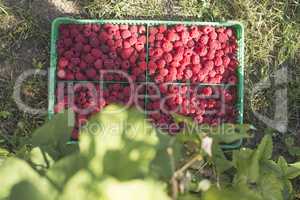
(272, 40)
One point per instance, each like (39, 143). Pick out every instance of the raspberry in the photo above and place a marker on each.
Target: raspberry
(226, 60)
(126, 53)
(125, 65)
(94, 42)
(157, 44)
(79, 76)
(179, 27)
(194, 33)
(208, 29)
(161, 63)
(212, 74)
(188, 74)
(96, 53)
(213, 35)
(196, 68)
(168, 57)
(218, 61)
(123, 26)
(162, 28)
(98, 64)
(209, 65)
(159, 36)
(87, 48)
(142, 29)
(91, 73)
(222, 37)
(61, 74)
(163, 72)
(229, 32)
(158, 52)
(203, 40)
(195, 59)
(143, 65)
(63, 62)
(172, 36)
(202, 51)
(232, 80)
(82, 64)
(142, 39)
(139, 46)
(190, 43)
(126, 44)
(178, 44)
(133, 29)
(89, 58)
(125, 34)
(167, 46)
(153, 30)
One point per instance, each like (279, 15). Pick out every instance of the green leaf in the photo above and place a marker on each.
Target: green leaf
(54, 134)
(220, 161)
(293, 170)
(66, 168)
(270, 187)
(14, 171)
(264, 149)
(26, 190)
(39, 159)
(163, 164)
(123, 134)
(82, 186)
(133, 190)
(241, 192)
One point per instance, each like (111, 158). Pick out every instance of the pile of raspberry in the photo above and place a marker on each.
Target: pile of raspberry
(184, 63)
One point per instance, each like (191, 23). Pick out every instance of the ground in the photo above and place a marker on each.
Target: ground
(272, 41)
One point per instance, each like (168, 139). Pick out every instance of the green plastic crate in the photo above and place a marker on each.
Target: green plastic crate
(237, 26)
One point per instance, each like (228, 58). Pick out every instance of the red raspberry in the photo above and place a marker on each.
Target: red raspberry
(229, 32)
(63, 62)
(172, 36)
(203, 39)
(175, 64)
(226, 60)
(123, 26)
(178, 44)
(157, 44)
(161, 63)
(126, 44)
(222, 37)
(213, 35)
(195, 59)
(78, 47)
(91, 73)
(219, 53)
(139, 46)
(142, 39)
(188, 74)
(184, 35)
(196, 68)
(98, 64)
(167, 46)
(195, 33)
(220, 69)
(190, 43)
(159, 36)
(210, 54)
(94, 42)
(163, 72)
(142, 29)
(96, 53)
(208, 29)
(188, 53)
(143, 65)
(133, 58)
(232, 80)
(212, 74)
(133, 29)
(68, 42)
(125, 64)
(132, 40)
(126, 53)
(125, 34)
(80, 77)
(202, 51)
(209, 65)
(61, 74)
(168, 57)
(153, 30)
(180, 27)
(89, 58)
(159, 79)
(162, 28)
(158, 52)
(87, 48)
(218, 61)
(82, 64)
